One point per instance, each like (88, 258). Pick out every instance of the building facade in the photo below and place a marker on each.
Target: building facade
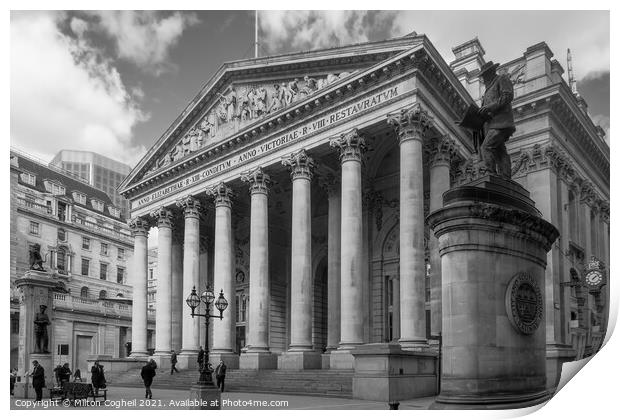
(299, 186)
(87, 245)
(100, 171)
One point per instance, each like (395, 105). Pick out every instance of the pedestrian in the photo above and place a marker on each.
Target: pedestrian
(77, 375)
(147, 374)
(173, 363)
(201, 357)
(97, 377)
(38, 379)
(57, 374)
(220, 375)
(64, 374)
(13, 379)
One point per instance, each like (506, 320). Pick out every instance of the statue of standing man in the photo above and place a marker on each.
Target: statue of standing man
(499, 123)
(41, 321)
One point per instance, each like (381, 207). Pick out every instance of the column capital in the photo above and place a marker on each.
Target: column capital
(190, 205)
(410, 123)
(259, 181)
(163, 217)
(351, 145)
(302, 165)
(604, 207)
(221, 194)
(440, 150)
(587, 193)
(139, 226)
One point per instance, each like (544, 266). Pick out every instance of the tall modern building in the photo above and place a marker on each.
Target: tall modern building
(98, 170)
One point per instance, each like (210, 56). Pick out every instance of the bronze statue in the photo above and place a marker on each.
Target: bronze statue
(36, 262)
(41, 321)
(499, 124)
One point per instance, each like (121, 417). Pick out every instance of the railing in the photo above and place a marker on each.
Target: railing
(39, 208)
(64, 301)
(105, 230)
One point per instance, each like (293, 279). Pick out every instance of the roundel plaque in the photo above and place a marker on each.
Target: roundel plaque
(524, 303)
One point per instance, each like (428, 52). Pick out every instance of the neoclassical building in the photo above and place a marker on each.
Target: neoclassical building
(299, 185)
(87, 246)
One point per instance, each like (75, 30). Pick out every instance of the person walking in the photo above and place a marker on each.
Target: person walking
(38, 379)
(64, 375)
(201, 357)
(147, 374)
(13, 379)
(77, 375)
(97, 377)
(173, 363)
(220, 375)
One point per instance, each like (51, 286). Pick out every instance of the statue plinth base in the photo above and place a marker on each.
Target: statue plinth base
(493, 246)
(205, 397)
(23, 388)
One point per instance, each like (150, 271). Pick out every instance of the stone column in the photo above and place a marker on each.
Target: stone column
(411, 125)
(178, 300)
(258, 355)
(163, 298)
(300, 354)
(440, 151)
(140, 228)
(190, 340)
(223, 338)
(332, 187)
(351, 146)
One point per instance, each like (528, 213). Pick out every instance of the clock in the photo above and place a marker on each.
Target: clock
(594, 278)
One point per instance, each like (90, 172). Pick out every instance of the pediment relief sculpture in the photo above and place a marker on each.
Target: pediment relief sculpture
(241, 105)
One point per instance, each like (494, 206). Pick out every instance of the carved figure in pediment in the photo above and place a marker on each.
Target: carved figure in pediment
(194, 141)
(343, 75)
(244, 108)
(231, 105)
(311, 86)
(251, 101)
(220, 110)
(276, 102)
(331, 78)
(207, 125)
(292, 90)
(260, 101)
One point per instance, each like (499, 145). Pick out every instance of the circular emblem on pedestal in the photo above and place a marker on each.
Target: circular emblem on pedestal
(524, 303)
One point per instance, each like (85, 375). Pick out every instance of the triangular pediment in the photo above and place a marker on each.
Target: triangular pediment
(245, 92)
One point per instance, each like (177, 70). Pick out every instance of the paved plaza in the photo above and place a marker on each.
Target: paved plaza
(171, 399)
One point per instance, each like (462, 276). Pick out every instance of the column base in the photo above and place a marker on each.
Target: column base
(139, 355)
(325, 357)
(341, 359)
(187, 360)
(557, 355)
(299, 360)
(414, 344)
(258, 361)
(231, 360)
(205, 397)
(490, 402)
(162, 359)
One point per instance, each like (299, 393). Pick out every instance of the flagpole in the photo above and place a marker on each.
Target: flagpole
(256, 34)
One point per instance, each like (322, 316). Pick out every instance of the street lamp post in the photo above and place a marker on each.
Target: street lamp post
(193, 301)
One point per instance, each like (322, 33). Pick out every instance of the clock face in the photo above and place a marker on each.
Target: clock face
(594, 278)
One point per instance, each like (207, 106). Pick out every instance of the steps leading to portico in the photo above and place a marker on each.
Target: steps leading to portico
(305, 382)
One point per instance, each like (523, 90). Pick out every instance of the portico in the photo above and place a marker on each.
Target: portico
(298, 207)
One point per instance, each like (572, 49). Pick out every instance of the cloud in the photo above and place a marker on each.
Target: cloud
(66, 94)
(144, 37)
(304, 30)
(604, 122)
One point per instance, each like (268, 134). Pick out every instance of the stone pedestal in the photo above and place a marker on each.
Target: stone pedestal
(231, 360)
(341, 359)
(258, 360)
(187, 360)
(557, 355)
(205, 397)
(493, 246)
(386, 372)
(299, 360)
(36, 288)
(163, 360)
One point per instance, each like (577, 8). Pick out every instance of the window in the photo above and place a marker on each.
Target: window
(114, 212)
(54, 188)
(84, 292)
(62, 261)
(34, 228)
(120, 275)
(29, 178)
(85, 266)
(121, 254)
(85, 243)
(150, 273)
(104, 248)
(62, 235)
(79, 197)
(62, 211)
(103, 271)
(97, 205)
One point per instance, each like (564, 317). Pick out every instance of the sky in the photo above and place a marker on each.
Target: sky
(112, 82)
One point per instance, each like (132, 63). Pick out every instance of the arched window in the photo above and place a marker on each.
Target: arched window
(103, 294)
(119, 295)
(84, 292)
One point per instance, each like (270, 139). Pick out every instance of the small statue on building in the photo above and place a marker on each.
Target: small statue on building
(499, 124)
(41, 321)
(311, 86)
(36, 261)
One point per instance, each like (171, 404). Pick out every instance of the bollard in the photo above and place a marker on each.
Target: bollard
(393, 405)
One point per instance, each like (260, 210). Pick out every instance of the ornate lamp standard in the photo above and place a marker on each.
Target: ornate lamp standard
(193, 301)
